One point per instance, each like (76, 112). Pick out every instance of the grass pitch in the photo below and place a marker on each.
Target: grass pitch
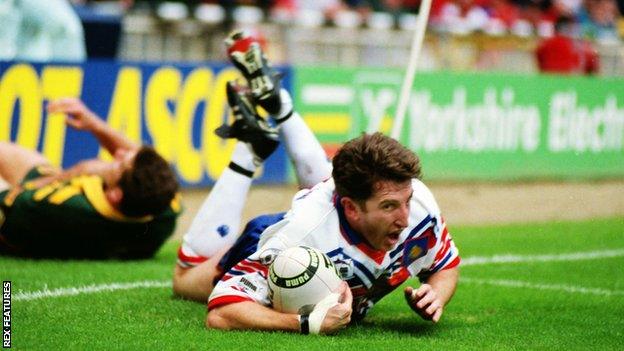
(536, 286)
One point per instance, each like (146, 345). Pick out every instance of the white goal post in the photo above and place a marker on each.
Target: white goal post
(419, 34)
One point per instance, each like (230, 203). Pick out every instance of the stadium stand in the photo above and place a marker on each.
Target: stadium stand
(463, 35)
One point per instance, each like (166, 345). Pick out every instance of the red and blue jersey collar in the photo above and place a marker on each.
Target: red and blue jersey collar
(353, 237)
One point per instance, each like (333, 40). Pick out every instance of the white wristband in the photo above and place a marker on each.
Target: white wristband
(320, 311)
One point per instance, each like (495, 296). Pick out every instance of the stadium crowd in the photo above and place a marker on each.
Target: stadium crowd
(597, 19)
(568, 48)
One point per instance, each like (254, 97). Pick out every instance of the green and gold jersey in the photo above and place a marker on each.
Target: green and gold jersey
(73, 219)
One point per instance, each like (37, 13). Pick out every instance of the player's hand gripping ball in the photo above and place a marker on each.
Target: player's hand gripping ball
(299, 278)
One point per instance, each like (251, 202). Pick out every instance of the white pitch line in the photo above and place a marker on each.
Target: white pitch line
(88, 289)
(555, 287)
(469, 261)
(574, 256)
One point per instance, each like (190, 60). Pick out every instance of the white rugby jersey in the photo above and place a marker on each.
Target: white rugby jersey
(316, 219)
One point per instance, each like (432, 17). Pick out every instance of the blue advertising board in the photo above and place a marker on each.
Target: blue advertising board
(174, 107)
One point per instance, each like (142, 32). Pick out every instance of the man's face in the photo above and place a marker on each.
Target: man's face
(385, 214)
(122, 161)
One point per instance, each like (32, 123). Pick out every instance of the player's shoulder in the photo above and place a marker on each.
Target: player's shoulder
(317, 198)
(422, 197)
(311, 207)
(312, 212)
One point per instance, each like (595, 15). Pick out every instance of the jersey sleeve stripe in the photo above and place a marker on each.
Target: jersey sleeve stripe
(454, 263)
(446, 244)
(247, 266)
(235, 272)
(444, 232)
(245, 269)
(226, 300)
(254, 265)
(449, 258)
(443, 251)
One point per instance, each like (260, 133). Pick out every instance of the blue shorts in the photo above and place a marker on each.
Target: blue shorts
(247, 242)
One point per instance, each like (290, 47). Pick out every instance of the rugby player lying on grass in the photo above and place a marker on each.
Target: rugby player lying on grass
(124, 208)
(370, 214)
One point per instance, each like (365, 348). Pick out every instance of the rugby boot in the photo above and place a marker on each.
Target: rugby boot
(246, 54)
(248, 127)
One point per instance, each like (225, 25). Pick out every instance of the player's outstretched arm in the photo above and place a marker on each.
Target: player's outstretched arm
(431, 297)
(251, 315)
(80, 117)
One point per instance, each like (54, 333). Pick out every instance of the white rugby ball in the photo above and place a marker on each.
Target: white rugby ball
(299, 278)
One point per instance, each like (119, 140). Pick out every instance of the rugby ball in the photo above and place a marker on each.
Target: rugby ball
(299, 278)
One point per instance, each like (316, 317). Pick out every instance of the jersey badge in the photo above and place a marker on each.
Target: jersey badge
(415, 249)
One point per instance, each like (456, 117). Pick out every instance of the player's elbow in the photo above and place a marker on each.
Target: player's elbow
(184, 291)
(216, 320)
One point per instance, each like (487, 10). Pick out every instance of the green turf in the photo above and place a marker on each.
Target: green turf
(481, 316)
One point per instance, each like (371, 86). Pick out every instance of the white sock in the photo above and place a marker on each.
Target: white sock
(243, 157)
(286, 109)
(217, 222)
(305, 151)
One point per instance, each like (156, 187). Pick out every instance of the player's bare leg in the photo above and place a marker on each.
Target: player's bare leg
(306, 153)
(196, 283)
(16, 161)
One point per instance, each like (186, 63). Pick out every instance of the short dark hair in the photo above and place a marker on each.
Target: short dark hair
(148, 186)
(363, 161)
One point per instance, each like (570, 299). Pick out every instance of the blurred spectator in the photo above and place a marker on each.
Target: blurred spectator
(36, 30)
(295, 8)
(598, 20)
(394, 7)
(229, 5)
(101, 21)
(568, 7)
(505, 11)
(125, 4)
(565, 55)
(461, 16)
(538, 11)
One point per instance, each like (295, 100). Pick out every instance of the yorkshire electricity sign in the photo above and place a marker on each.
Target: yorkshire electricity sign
(477, 126)
(463, 126)
(175, 108)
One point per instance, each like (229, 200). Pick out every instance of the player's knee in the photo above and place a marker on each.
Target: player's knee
(177, 287)
(179, 283)
(191, 285)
